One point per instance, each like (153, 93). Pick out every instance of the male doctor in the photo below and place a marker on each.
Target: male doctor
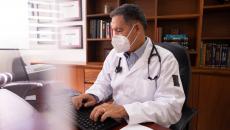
(144, 88)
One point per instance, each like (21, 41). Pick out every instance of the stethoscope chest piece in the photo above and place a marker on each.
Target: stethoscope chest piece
(118, 68)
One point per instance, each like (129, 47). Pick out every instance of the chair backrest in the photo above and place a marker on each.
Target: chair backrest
(19, 70)
(183, 59)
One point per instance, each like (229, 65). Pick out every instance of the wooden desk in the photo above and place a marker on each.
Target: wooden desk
(150, 125)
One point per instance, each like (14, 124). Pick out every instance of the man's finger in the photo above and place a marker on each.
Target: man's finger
(75, 102)
(105, 116)
(88, 104)
(79, 104)
(93, 112)
(98, 114)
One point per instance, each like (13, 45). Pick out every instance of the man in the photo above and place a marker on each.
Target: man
(143, 87)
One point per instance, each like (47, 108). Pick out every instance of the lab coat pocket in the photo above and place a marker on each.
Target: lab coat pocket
(143, 89)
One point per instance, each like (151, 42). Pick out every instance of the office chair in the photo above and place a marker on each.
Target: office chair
(18, 70)
(182, 57)
(24, 89)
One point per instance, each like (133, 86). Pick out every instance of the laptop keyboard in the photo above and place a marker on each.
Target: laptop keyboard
(85, 123)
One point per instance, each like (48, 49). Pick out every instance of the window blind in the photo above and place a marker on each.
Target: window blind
(43, 21)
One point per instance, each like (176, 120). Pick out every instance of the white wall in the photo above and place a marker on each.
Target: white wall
(13, 24)
(53, 53)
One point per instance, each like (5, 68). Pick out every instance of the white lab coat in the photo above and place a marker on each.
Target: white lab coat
(144, 100)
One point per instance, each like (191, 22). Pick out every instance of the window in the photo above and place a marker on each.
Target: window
(43, 21)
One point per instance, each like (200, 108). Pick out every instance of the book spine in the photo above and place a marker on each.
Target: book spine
(208, 55)
(204, 53)
(101, 29)
(228, 62)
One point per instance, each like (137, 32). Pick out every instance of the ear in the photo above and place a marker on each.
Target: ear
(139, 26)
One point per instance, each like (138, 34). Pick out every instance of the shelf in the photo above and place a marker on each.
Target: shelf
(214, 7)
(97, 15)
(151, 18)
(183, 16)
(94, 65)
(211, 70)
(104, 39)
(216, 38)
(89, 81)
(215, 68)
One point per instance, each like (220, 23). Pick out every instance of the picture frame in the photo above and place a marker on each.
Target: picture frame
(46, 35)
(71, 37)
(70, 10)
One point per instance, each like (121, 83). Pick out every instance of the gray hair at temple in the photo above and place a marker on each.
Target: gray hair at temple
(130, 12)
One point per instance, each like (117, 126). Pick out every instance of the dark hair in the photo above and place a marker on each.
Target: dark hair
(130, 12)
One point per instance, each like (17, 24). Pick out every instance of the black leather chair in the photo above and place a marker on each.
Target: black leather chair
(185, 74)
(18, 69)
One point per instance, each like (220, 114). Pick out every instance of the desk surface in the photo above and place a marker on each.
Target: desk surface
(150, 125)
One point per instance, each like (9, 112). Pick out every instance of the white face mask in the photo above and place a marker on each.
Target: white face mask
(121, 43)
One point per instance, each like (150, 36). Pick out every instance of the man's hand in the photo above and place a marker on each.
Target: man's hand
(83, 99)
(108, 110)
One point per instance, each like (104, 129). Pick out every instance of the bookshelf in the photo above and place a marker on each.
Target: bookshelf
(215, 45)
(195, 18)
(163, 14)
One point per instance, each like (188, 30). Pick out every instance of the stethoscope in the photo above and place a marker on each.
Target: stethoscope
(118, 68)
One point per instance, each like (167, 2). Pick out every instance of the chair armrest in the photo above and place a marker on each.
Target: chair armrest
(34, 92)
(21, 88)
(25, 89)
(187, 114)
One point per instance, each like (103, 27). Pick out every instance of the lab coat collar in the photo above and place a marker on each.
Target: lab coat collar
(120, 54)
(144, 58)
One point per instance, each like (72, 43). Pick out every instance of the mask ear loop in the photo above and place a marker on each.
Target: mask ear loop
(131, 30)
(135, 37)
(134, 40)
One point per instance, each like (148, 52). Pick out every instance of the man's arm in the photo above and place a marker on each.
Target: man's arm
(101, 88)
(165, 108)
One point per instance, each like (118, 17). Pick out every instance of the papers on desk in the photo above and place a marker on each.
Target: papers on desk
(136, 127)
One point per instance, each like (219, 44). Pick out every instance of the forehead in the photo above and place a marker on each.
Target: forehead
(118, 21)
